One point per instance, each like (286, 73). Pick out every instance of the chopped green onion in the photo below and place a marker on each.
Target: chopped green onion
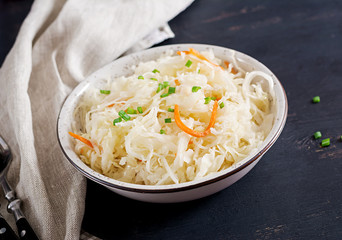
(154, 79)
(167, 120)
(124, 115)
(207, 100)
(316, 99)
(117, 120)
(166, 84)
(188, 63)
(160, 87)
(164, 95)
(213, 98)
(105, 91)
(140, 77)
(195, 88)
(131, 111)
(155, 71)
(171, 90)
(317, 135)
(162, 131)
(172, 110)
(325, 142)
(221, 105)
(140, 110)
(199, 70)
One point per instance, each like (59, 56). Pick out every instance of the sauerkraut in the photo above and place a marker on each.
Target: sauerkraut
(130, 122)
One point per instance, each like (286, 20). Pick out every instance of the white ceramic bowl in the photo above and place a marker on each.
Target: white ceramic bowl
(175, 192)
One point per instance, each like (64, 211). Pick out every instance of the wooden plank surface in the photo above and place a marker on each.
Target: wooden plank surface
(295, 191)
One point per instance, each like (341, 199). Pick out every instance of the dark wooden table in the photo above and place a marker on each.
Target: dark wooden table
(295, 191)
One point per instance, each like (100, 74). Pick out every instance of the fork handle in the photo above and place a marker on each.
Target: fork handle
(25, 231)
(6, 232)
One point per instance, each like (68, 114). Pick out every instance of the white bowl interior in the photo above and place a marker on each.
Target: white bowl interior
(123, 67)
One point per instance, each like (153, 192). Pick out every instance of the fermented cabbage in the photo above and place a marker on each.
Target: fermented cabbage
(149, 147)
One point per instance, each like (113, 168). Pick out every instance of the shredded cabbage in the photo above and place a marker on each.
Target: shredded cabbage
(135, 151)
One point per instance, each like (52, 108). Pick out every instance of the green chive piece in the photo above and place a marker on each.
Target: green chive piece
(317, 135)
(213, 98)
(105, 91)
(162, 131)
(155, 71)
(140, 110)
(188, 63)
(164, 95)
(207, 100)
(140, 77)
(166, 84)
(221, 105)
(160, 87)
(316, 99)
(172, 110)
(199, 71)
(154, 79)
(167, 120)
(171, 90)
(117, 120)
(124, 115)
(131, 111)
(325, 142)
(195, 88)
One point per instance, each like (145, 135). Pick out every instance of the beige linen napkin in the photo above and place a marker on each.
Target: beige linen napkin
(59, 44)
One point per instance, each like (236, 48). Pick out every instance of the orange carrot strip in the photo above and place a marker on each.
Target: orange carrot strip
(82, 139)
(200, 56)
(113, 104)
(177, 82)
(213, 117)
(233, 71)
(194, 133)
(180, 52)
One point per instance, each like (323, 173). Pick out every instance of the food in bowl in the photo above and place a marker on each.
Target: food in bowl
(177, 119)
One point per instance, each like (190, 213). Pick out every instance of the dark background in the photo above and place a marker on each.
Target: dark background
(295, 191)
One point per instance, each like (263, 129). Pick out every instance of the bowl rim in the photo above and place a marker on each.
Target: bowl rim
(212, 178)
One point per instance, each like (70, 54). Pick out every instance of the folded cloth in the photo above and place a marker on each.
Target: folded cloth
(59, 44)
